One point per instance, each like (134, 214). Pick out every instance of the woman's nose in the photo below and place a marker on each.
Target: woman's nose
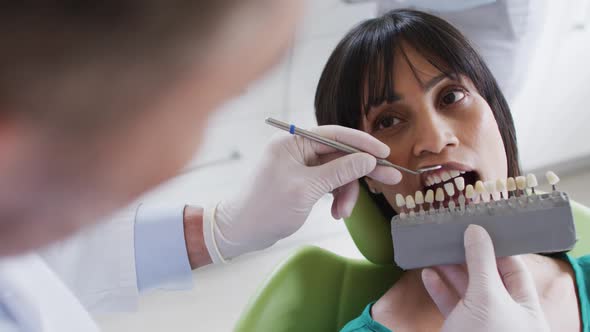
(433, 135)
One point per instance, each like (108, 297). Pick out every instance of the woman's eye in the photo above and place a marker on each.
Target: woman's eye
(387, 122)
(452, 97)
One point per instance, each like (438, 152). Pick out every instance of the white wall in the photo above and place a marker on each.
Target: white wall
(553, 111)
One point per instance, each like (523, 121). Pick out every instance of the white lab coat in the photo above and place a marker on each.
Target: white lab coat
(93, 271)
(38, 300)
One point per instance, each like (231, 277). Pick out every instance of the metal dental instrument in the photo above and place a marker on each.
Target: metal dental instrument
(340, 146)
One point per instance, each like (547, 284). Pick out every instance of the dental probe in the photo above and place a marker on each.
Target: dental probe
(340, 146)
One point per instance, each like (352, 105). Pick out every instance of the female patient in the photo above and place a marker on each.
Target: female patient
(413, 81)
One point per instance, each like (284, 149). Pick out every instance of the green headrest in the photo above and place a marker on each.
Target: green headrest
(371, 231)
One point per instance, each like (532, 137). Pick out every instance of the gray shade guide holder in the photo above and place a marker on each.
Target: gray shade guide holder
(539, 223)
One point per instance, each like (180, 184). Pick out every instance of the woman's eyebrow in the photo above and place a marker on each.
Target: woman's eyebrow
(426, 87)
(434, 81)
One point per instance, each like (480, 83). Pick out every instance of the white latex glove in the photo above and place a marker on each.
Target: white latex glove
(488, 297)
(294, 174)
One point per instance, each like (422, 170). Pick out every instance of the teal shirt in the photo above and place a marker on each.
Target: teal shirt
(581, 267)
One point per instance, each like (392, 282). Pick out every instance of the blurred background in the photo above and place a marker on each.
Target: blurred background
(539, 52)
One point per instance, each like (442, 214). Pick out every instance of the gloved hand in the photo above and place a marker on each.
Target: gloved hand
(488, 297)
(294, 174)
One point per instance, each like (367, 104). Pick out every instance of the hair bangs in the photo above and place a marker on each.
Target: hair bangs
(380, 43)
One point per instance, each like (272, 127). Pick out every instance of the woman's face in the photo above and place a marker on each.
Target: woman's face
(436, 120)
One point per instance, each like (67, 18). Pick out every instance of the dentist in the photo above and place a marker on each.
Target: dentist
(101, 102)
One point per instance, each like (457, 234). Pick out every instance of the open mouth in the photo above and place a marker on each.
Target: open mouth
(449, 182)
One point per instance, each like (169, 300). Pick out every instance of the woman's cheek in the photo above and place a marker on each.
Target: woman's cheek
(489, 143)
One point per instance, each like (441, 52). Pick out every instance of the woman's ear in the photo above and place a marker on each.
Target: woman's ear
(374, 186)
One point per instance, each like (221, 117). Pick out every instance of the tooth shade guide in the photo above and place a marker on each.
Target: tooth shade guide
(419, 197)
(501, 185)
(409, 235)
(497, 195)
(469, 192)
(490, 186)
(429, 198)
(439, 196)
(450, 189)
(479, 187)
(400, 201)
(459, 210)
(410, 202)
(552, 179)
(520, 185)
(461, 200)
(531, 182)
(451, 205)
(520, 182)
(510, 184)
(511, 187)
(459, 183)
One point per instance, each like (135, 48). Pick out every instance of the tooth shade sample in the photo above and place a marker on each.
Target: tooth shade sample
(419, 197)
(440, 195)
(501, 185)
(531, 180)
(436, 179)
(460, 183)
(461, 200)
(410, 202)
(429, 198)
(450, 189)
(479, 188)
(511, 184)
(552, 178)
(490, 186)
(445, 176)
(451, 205)
(399, 200)
(469, 191)
(520, 182)
(454, 174)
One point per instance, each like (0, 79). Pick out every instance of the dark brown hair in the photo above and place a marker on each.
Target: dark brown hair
(359, 72)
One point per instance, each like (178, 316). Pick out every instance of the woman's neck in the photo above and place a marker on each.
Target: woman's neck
(543, 270)
(407, 303)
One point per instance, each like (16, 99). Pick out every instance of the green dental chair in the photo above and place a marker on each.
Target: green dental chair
(316, 290)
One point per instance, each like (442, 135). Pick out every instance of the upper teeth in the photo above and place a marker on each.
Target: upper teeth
(443, 177)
